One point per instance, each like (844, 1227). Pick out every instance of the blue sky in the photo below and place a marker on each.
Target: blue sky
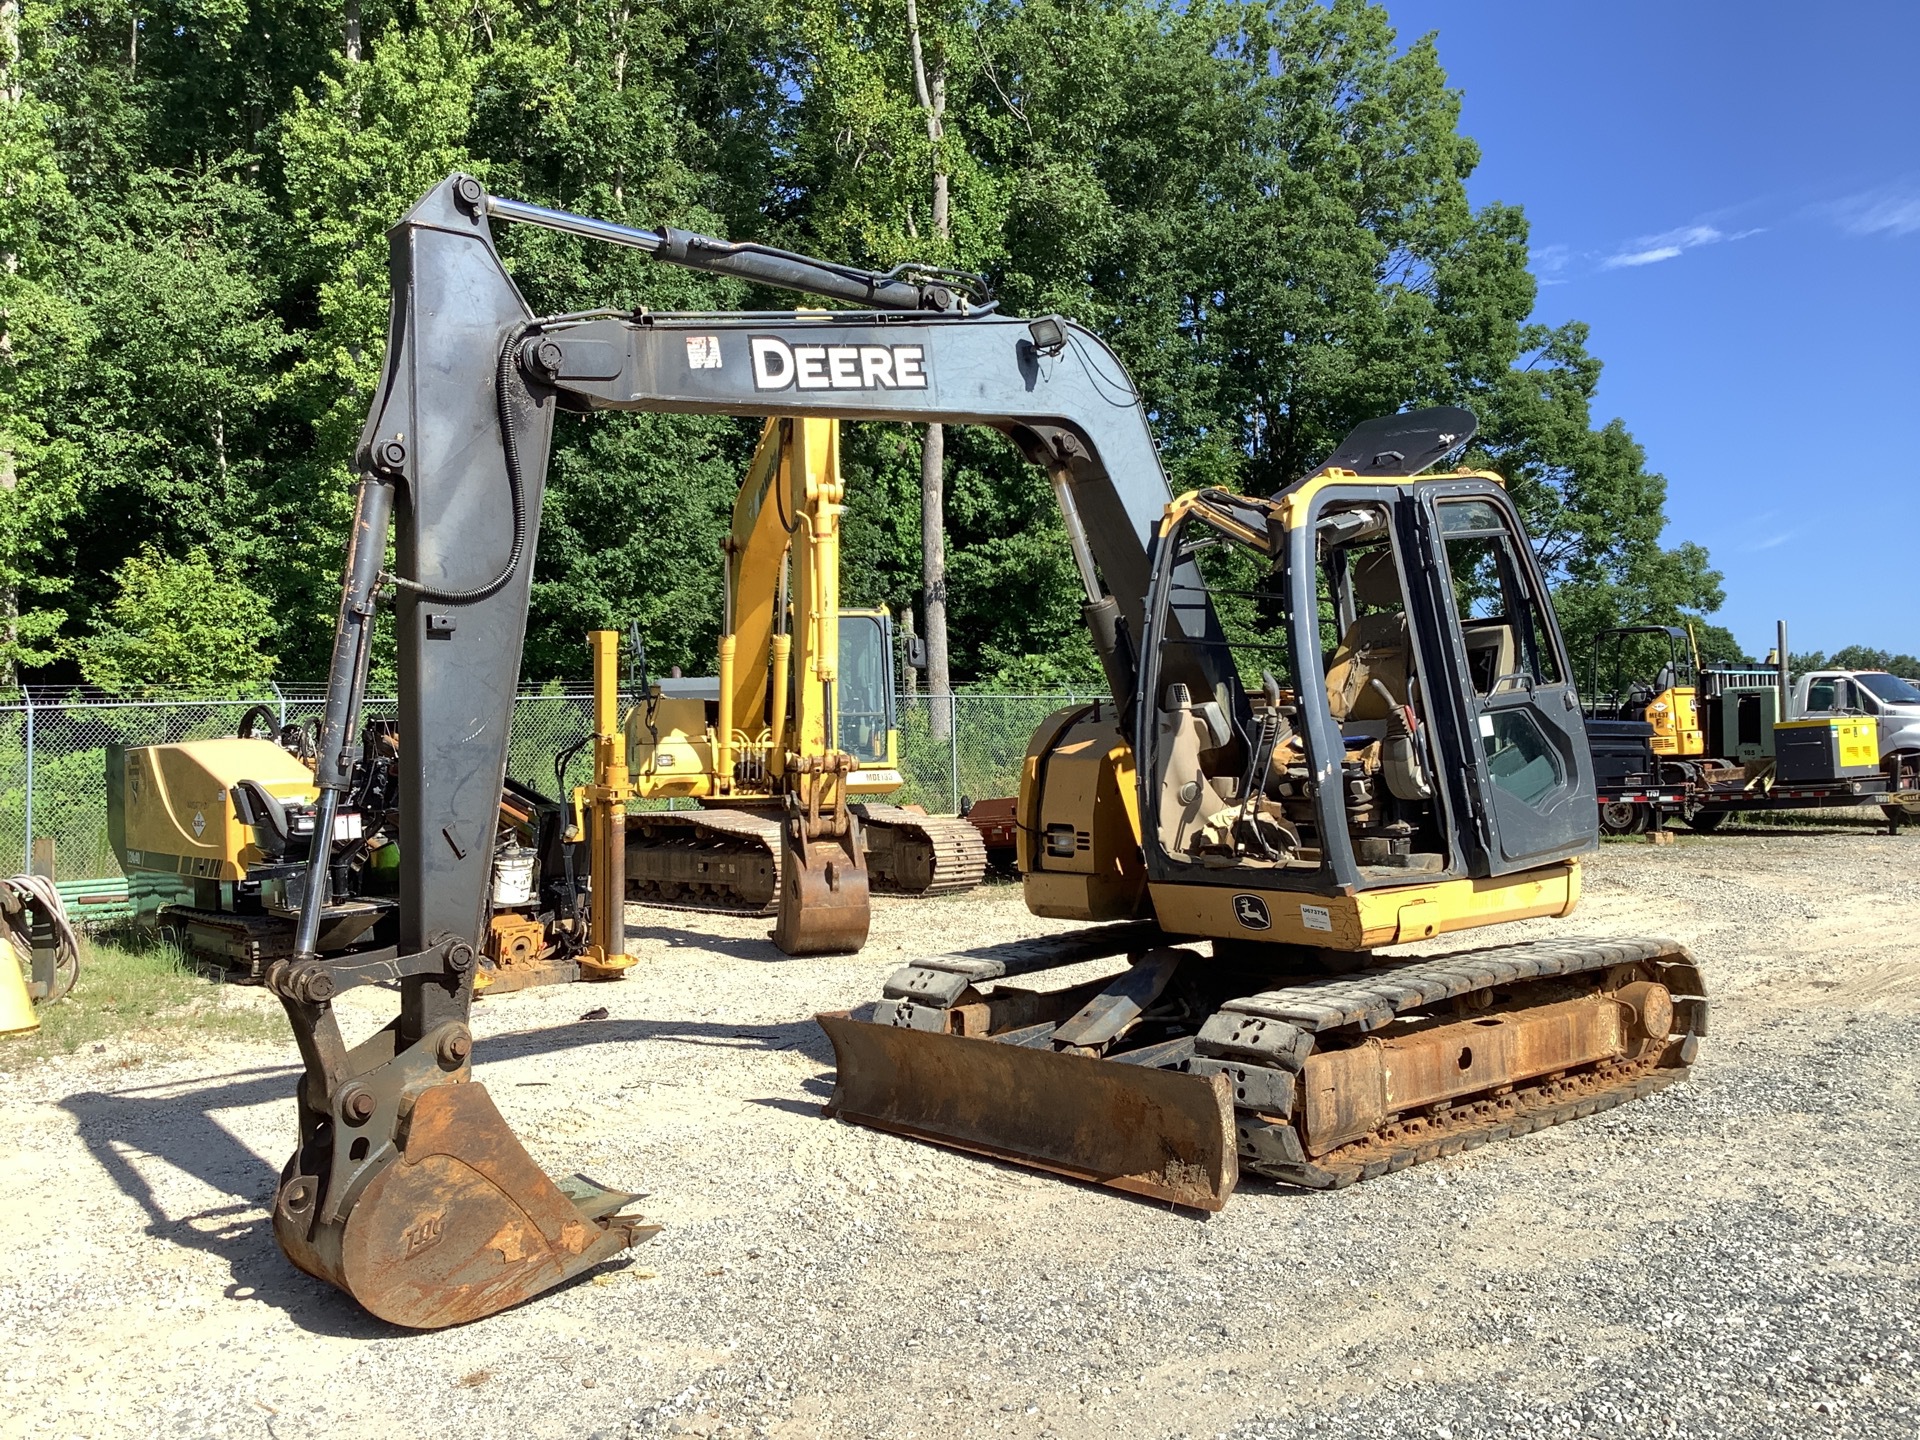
(1729, 194)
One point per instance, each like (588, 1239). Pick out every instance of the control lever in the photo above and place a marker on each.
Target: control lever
(1275, 726)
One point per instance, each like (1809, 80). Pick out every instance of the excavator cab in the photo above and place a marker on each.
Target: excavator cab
(865, 726)
(1383, 703)
(1649, 674)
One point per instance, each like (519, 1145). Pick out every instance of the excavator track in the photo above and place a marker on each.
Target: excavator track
(242, 946)
(719, 862)
(1319, 1082)
(1279, 1033)
(909, 853)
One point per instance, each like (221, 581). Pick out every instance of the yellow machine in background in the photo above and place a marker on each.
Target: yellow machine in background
(1668, 699)
(600, 817)
(212, 836)
(783, 746)
(203, 829)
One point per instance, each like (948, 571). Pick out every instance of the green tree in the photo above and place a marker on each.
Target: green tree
(1857, 657)
(41, 333)
(180, 624)
(1261, 206)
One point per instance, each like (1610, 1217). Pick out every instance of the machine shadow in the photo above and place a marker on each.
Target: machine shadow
(1790, 832)
(802, 1036)
(178, 1128)
(739, 947)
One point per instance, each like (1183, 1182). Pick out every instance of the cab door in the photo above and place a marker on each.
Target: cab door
(1528, 771)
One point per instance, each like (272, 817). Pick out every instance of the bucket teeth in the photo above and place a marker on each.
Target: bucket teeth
(594, 1200)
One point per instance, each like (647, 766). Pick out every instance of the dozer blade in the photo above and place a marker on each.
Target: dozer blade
(1159, 1133)
(824, 908)
(458, 1225)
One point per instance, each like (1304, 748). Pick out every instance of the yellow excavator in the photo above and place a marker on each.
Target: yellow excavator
(802, 708)
(1342, 722)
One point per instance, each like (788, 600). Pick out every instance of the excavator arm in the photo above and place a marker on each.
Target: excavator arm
(408, 1189)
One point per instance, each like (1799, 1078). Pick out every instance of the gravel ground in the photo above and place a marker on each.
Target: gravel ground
(1735, 1256)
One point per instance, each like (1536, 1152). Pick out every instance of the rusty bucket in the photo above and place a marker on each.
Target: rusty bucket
(460, 1223)
(824, 905)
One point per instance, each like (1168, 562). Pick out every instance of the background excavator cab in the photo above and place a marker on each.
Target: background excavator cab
(1649, 674)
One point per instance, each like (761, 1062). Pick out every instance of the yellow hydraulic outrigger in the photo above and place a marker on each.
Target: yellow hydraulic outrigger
(600, 810)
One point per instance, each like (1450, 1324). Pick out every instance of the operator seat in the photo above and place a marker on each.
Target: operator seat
(1375, 644)
(257, 807)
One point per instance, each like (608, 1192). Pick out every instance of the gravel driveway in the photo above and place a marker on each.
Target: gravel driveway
(1736, 1256)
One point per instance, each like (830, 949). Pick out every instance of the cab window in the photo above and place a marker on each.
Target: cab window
(863, 688)
(1501, 622)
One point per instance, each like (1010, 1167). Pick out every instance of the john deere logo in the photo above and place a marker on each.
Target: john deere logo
(778, 366)
(1251, 911)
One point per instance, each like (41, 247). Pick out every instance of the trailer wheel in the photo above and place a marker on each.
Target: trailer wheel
(1705, 822)
(1622, 817)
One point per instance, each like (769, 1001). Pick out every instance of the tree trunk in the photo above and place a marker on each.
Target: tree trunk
(930, 89)
(10, 50)
(933, 574)
(910, 672)
(351, 45)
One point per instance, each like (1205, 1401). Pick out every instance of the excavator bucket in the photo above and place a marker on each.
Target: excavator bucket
(457, 1224)
(1153, 1132)
(824, 906)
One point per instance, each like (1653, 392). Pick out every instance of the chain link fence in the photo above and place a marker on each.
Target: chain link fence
(53, 753)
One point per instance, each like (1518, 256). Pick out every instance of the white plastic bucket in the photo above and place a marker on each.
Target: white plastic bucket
(513, 878)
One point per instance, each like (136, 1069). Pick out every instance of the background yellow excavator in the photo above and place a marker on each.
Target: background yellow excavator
(801, 713)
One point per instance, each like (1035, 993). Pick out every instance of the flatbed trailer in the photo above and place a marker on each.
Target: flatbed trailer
(1636, 803)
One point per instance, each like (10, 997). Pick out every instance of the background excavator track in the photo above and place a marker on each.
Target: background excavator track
(724, 862)
(910, 853)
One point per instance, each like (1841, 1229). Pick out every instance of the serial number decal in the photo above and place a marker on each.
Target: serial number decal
(780, 366)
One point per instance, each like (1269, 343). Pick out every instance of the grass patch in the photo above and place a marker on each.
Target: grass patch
(139, 997)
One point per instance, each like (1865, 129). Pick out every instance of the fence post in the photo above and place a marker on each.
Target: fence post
(281, 696)
(27, 863)
(953, 746)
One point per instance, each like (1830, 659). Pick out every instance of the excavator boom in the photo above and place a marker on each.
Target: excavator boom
(407, 1189)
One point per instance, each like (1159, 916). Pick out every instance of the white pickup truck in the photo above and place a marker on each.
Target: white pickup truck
(1895, 706)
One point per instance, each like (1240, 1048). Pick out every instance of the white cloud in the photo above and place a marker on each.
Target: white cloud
(1652, 249)
(1889, 210)
(1641, 257)
(1773, 540)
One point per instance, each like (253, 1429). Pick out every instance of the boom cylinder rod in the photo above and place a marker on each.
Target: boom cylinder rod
(759, 263)
(1076, 533)
(346, 688)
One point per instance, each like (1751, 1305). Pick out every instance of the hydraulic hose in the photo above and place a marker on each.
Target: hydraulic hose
(516, 489)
